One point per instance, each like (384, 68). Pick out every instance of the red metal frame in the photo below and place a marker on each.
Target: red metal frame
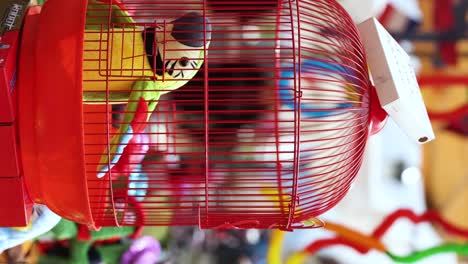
(15, 205)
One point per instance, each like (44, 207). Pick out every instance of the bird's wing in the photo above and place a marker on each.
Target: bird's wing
(142, 102)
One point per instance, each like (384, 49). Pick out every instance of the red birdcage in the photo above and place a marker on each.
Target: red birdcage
(187, 112)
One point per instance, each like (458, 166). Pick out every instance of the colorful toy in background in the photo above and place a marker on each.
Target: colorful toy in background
(455, 120)
(74, 243)
(24, 253)
(138, 184)
(450, 26)
(42, 220)
(329, 92)
(402, 17)
(314, 72)
(191, 245)
(143, 250)
(363, 243)
(164, 67)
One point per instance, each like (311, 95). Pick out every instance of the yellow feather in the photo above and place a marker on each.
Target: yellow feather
(114, 60)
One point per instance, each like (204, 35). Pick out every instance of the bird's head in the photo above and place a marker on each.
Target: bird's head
(177, 49)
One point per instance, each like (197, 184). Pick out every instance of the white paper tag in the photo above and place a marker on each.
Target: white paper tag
(395, 81)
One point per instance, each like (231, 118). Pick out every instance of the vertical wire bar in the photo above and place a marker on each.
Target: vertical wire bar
(295, 81)
(174, 123)
(278, 105)
(108, 146)
(206, 109)
(144, 32)
(174, 146)
(122, 50)
(297, 119)
(135, 36)
(164, 51)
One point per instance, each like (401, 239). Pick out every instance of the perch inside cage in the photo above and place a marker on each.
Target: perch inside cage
(200, 113)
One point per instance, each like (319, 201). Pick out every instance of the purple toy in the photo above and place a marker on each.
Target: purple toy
(143, 251)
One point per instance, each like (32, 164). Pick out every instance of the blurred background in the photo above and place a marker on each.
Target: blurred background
(396, 173)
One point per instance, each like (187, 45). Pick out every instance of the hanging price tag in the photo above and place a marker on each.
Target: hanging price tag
(395, 81)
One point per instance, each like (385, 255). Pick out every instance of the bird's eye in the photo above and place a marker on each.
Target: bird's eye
(184, 61)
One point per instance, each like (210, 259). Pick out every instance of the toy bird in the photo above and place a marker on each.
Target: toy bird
(130, 65)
